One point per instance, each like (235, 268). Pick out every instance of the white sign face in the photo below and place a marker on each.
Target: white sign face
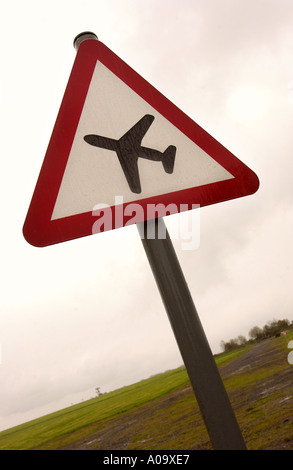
(93, 175)
(118, 141)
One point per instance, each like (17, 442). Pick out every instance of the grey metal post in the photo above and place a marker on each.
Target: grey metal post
(83, 37)
(202, 370)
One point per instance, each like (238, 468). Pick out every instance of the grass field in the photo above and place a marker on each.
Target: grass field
(161, 412)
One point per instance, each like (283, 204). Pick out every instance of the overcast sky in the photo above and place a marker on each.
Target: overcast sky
(87, 313)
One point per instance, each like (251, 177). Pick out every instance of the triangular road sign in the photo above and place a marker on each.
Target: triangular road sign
(120, 153)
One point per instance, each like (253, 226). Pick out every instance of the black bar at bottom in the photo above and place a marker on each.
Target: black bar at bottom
(202, 370)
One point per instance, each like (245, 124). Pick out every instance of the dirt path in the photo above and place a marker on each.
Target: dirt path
(264, 355)
(257, 356)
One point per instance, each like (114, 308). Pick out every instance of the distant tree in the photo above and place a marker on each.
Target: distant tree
(275, 327)
(241, 340)
(255, 333)
(98, 391)
(229, 345)
(283, 324)
(222, 345)
(233, 343)
(271, 328)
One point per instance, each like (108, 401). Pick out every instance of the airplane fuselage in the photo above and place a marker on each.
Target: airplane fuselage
(128, 149)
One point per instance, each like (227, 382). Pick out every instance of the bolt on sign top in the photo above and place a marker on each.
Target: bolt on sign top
(117, 138)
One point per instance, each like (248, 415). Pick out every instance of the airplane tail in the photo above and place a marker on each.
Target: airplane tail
(168, 159)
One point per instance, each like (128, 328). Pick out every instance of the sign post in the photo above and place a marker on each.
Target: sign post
(202, 370)
(110, 118)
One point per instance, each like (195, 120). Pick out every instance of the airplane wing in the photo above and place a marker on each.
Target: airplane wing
(132, 139)
(129, 166)
(128, 151)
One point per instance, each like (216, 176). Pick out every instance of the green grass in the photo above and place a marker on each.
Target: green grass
(75, 418)
(226, 357)
(80, 419)
(162, 411)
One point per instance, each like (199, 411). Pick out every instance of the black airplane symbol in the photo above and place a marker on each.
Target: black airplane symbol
(129, 149)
